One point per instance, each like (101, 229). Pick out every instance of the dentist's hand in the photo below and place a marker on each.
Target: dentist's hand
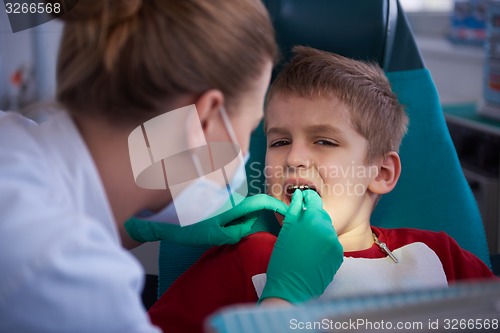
(307, 253)
(226, 228)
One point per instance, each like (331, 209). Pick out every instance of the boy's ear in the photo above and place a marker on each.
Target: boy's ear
(388, 174)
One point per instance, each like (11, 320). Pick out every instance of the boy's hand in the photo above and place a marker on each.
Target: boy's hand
(307, 253)
(226, 228)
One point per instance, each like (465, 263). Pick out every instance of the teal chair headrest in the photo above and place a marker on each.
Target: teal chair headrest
(365, 30)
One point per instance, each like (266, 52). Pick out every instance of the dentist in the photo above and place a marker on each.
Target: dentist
(67, 185)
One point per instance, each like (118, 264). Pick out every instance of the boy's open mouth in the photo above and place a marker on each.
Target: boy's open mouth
(290, 189)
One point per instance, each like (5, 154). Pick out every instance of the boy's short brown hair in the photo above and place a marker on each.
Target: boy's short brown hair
(374, 110)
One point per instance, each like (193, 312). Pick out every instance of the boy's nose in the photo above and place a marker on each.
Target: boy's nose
(298, 157)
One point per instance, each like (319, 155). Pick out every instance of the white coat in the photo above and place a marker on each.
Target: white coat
(62, 268)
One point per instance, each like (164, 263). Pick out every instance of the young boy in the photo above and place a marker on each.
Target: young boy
(334, 126)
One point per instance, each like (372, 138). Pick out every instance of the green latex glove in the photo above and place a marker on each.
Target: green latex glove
(307, 253)
(226, 228)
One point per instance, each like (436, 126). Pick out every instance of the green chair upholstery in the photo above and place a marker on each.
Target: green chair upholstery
(432, 192)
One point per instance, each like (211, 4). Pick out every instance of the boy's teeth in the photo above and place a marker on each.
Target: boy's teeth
(301, 187)
(292, 189)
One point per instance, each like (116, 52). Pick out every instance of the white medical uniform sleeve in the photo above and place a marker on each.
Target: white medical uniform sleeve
(60, 271)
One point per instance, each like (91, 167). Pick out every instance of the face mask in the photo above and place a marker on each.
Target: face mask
(207, 195)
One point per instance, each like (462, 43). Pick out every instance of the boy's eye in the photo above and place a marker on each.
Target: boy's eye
(278, 143)
(327, 143)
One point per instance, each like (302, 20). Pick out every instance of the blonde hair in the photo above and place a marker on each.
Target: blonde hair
(127, 59)
(374, 110)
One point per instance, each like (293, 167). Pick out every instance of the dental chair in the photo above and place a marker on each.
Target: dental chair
(432, 192)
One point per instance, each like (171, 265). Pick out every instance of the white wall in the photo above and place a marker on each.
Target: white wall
(35, 49)
(457, 70)
(15, 51)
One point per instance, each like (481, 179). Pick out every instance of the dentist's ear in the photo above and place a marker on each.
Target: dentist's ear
(208, 105)
(389, 171)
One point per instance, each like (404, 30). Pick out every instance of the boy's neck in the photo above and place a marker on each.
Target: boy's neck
(358, 238)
